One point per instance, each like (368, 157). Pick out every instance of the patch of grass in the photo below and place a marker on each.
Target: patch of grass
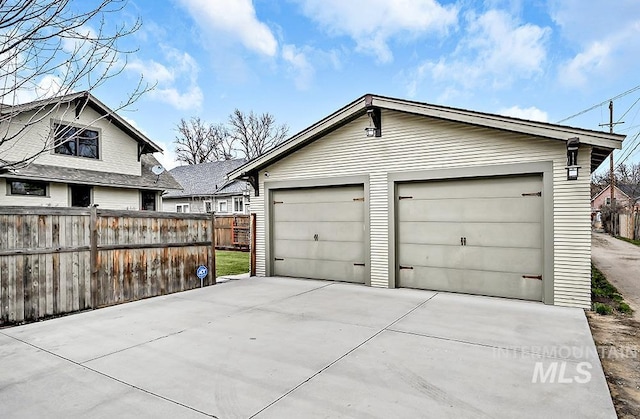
(231, 263)
(636, 242)
(605, 296)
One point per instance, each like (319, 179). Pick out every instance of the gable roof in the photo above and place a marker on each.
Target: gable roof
(233, 187)
(603, 143)
(147, 180)
(202, 179)
(80, 100)
(628, 190)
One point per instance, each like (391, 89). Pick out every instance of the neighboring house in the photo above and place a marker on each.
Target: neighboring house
(624, 195)
(205, 188)
(97, 158)
(394, 193)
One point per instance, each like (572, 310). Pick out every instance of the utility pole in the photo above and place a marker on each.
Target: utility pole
(612, 177)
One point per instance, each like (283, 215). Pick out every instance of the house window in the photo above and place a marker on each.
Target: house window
(20, 187)
(222, 206)
(74, 141)
(607, 201)
(182, 207)
(148, 201)
(238, 204)
(208, 206)
(80, 195)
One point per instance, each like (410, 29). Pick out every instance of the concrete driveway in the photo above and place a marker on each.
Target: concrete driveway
(280, 348)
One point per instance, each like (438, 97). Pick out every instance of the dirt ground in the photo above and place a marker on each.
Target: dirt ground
(617, 338)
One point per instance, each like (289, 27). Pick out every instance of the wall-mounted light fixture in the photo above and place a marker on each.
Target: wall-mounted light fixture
(375, 123)
(573, 144)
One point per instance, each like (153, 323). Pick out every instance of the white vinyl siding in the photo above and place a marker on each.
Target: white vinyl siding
(414, 143)
(116, 198)
(57, 196)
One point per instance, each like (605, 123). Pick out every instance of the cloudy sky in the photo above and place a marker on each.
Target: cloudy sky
(303, 59)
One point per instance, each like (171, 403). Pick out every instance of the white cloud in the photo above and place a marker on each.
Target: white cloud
(299, 65)
(177, 83)
(531, 113)
(594, 59)
(605, 40)
(495, 51)
(236, 19)
(373, 23)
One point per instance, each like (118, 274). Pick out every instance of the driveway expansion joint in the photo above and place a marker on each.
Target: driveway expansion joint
(335, 361)
(81, 365)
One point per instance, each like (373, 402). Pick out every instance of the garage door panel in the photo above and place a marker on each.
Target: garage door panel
(320, 269)
(472, 188)
(520, 209)
(311, 250)
(318, 195)
(319, 211)
(481, 234)
(336, 231)
(439, 233)
(438, 278)
(527, 235)
(507, 285)
(431, 255)
(496, 259)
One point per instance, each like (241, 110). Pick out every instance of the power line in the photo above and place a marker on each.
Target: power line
(627, 111)
(633, 89)
(629, 152)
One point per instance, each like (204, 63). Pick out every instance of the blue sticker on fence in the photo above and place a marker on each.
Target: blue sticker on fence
(202, 271)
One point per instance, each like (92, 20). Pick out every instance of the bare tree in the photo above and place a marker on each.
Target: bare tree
(49, 51)
(253, 134)
(246, 136)
(198, 142)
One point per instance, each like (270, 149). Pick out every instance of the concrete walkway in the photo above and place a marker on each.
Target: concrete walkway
(619, 261)
(283, 348)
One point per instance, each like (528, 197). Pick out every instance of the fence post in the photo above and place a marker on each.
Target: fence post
(93, 258)
(253, 244)
(213, 248)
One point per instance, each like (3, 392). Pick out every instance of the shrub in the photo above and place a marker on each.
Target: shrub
(602, 308)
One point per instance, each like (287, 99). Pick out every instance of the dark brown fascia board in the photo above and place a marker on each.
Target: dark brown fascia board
(506, 123)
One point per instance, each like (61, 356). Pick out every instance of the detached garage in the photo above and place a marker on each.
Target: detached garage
(394, 193)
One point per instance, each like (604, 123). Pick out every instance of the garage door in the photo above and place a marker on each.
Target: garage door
(319, 233)
(480, 236)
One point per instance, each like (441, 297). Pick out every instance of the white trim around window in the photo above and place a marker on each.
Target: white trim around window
(182, 208)
(238, 204)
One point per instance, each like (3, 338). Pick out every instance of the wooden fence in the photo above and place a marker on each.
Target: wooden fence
(233, 232)
(60, 260)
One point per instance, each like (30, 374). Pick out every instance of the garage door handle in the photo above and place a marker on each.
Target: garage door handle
(278, 259)
(406, 267)
(532, 277)
(358, 264)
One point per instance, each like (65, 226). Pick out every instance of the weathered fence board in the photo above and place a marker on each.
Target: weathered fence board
(232, 232)
(60, 260)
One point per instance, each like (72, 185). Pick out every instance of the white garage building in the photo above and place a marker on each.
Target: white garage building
(394, 193)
